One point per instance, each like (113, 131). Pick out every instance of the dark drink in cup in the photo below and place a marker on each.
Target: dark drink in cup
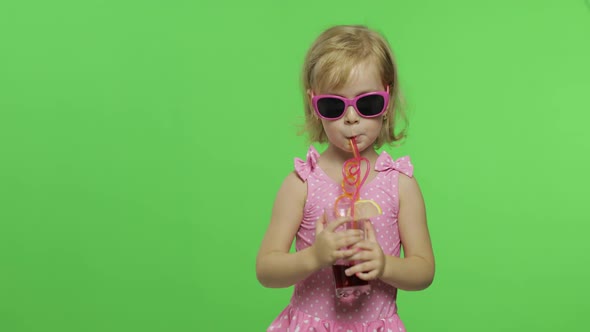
(347, 287)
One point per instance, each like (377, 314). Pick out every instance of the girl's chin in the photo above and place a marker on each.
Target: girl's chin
(347, 147)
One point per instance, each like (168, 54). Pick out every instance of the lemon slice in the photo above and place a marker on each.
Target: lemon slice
(366, 209)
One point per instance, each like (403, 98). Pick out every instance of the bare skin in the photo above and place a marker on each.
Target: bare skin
(277, 267)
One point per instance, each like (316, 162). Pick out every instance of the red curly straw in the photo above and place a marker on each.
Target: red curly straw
(352, 177)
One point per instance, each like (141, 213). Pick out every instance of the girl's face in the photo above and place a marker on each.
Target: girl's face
(365, 78)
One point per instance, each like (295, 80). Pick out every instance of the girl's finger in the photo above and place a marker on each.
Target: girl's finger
(358, 268)
(349, 233)
(346, 253)
(360, 255)
(365, 245)
(367, 275)
(348, 241)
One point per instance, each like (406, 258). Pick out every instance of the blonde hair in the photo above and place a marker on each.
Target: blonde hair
(329, 64)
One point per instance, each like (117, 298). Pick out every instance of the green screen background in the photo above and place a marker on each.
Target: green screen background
(142, 144)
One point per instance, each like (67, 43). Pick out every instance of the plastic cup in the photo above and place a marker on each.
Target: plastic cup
(347, 287)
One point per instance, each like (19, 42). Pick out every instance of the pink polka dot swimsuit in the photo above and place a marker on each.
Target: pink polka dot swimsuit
(314, 306)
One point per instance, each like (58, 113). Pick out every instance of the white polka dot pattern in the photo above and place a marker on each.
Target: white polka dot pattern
(314, 306)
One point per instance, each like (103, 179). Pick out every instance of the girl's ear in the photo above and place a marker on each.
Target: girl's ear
(310, 96)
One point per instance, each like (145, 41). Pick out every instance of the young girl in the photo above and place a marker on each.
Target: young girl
(351, 93)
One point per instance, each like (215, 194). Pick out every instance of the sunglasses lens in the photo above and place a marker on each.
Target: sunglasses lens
(330, 108)
(371, 105)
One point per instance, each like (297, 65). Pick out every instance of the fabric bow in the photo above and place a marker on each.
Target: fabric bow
(402, 165)
(304, 168)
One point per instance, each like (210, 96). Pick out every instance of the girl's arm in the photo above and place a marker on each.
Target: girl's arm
(275, 266)
(416, 270)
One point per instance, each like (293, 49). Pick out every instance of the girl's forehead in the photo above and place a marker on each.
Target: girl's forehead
(361, 78)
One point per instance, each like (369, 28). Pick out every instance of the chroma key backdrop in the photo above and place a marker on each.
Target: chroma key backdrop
(142, 144)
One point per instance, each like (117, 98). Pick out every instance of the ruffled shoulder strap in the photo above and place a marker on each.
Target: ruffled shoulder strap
(305, 167)
(386, 163)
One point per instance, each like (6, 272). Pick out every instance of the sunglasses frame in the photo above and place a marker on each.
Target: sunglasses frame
(352, 102)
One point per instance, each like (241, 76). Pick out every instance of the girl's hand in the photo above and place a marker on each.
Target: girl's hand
(370, 253)
(328, 242)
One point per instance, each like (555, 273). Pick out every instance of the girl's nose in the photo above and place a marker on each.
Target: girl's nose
(351, 116)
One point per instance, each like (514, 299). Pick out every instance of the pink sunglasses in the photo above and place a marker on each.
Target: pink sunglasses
(367, 105)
